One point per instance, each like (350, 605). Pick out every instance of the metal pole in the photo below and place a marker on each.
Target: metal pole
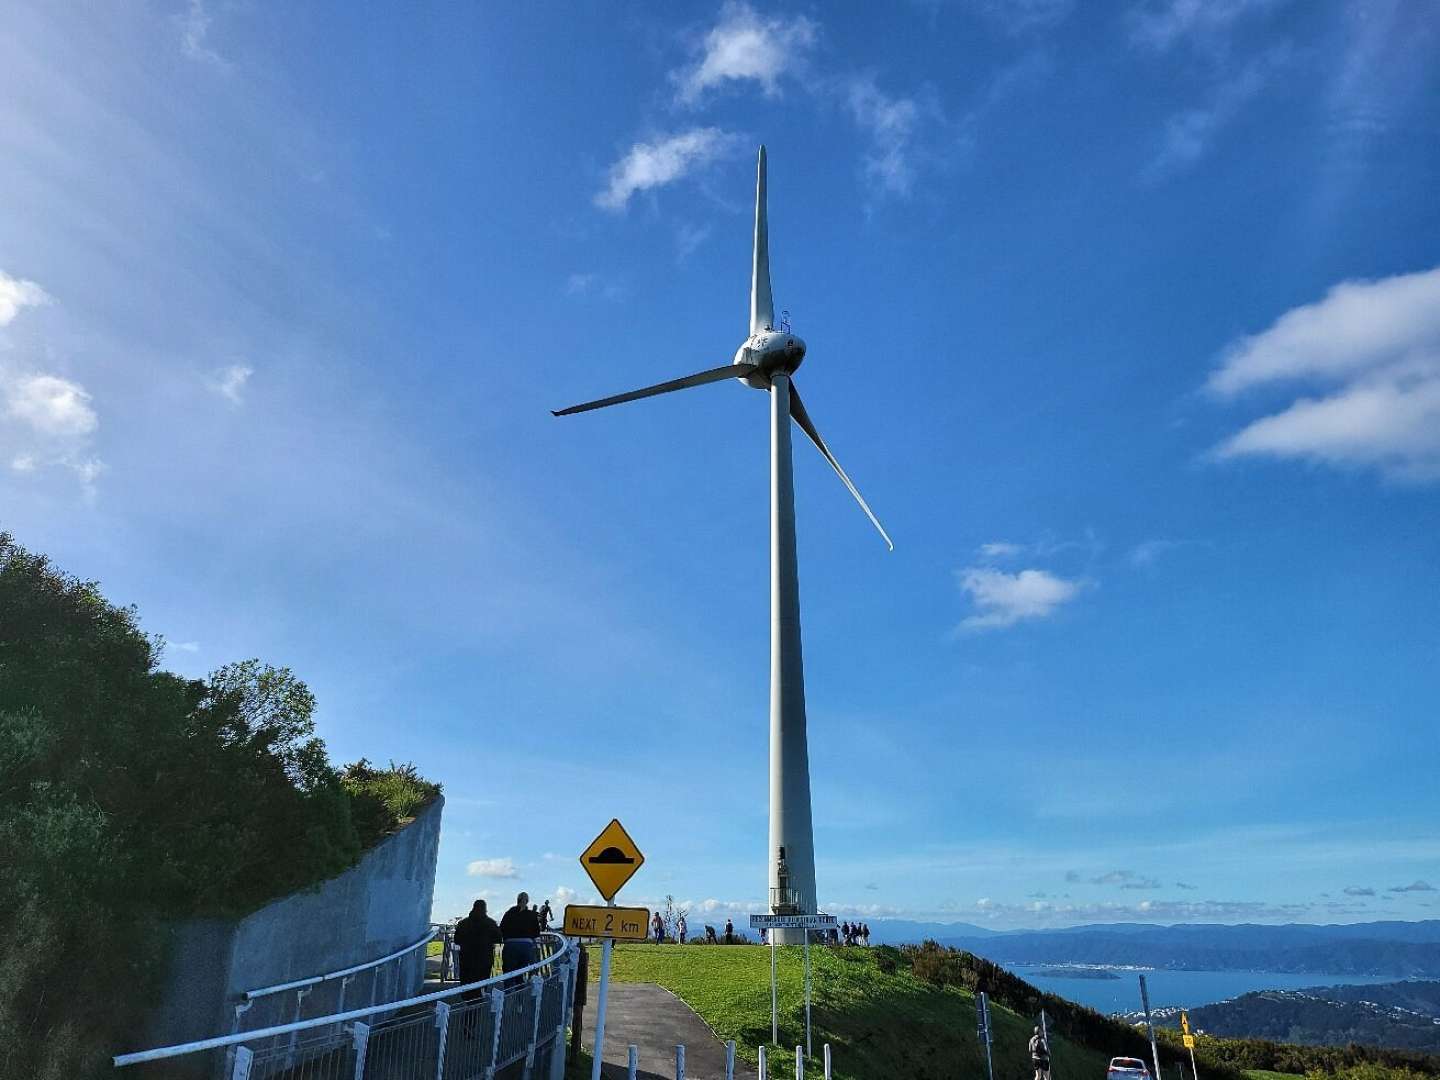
(729, 1059)
(599, 1048)
(774, 996)
(1045, 1041)
(634, 1062)
(983, 1004)
(1145, 1001)
(790, 824)
(1194, 1072)
(808, 1051)
(799, 1063)
(827, 1061)
(680, 1062)
(763, 1074)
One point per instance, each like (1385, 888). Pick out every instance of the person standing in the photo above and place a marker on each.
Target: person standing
(520, 926)
(657, 927)
(545, 915)
(865, 933)
(1040, 1056)
(476, 935)
(729, 932)
(680, 929)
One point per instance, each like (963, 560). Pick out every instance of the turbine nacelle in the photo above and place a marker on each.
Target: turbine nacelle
(769, 353)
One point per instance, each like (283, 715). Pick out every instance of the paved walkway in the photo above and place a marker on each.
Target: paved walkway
(654, 1020)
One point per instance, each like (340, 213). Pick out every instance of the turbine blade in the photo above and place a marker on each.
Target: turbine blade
(728, 371)
(797, 410)
(762, 306)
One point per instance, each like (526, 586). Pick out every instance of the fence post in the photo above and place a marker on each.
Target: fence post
(763, 1075)
(362, 1043)
(729, 1059)
(680, 1062)
(537, 989)
(300, 996)
(827, 1061)
(497, 1010)
(243, 1056)
(442, 1025)
(557, 1044)
(633, 1063)
(799, 1063)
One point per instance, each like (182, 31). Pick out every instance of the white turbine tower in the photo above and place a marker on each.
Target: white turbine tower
(767, 361)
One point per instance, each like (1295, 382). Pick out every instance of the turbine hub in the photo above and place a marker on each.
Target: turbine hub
(773, 352)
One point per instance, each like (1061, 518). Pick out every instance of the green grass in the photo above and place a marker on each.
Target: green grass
(1266, 1074)
(877, 1024)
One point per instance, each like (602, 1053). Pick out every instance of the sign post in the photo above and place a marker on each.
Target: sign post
(982, 1010)
(790, 922)
(1189, 1039)
(1045, 1041)
(1145, 1001)
(611, 860)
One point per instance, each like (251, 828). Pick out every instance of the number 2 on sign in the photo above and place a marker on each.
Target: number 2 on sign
(609, 923)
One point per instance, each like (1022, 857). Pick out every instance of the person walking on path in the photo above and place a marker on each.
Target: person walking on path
(729, 932)
(1040, 1056)
(680, 929)
(520, 926)
(865, 933)
(657, 927)
(476, 935)
(545, 915)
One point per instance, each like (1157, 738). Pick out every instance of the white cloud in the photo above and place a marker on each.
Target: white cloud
(653, 164)
(1147, 552)
(1019, 16)
(1000, 549)
(1377, 345)
(1003, 599)
(746, 47)
(1160, 25)
(492, 868)
(50, 405)
(16, 293)
(194, 24)
(580, 284)
(1190, 133)
(229, 382)
(688, 238)
(890, 122)
(185, 646)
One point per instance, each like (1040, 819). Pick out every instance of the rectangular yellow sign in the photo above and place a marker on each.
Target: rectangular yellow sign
(1189, 1041)
(619, 923)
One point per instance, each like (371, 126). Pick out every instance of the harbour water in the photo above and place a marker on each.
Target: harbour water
(1187, 988)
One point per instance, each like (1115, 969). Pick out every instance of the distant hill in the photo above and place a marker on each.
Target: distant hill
(1403, 1016)
(1401, 949)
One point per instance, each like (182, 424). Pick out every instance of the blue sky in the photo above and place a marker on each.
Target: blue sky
(1123, 317)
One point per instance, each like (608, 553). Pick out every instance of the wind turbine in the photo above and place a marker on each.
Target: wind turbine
(767, 361)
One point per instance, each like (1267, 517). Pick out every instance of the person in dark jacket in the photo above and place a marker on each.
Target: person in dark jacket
(520, 926)
(477, 935)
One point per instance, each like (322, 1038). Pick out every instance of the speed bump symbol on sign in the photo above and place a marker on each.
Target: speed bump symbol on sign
(612, 859)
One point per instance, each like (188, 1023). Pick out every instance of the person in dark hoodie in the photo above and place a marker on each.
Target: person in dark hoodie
(477, 935)
(520, 926)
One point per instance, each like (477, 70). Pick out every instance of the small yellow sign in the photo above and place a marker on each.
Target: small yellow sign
(1189, 1041)
(620, 923)
(612, 859)
(1184, 1022)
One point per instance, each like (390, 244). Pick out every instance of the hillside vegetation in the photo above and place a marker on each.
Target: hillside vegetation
(879, 1016)
(130, 797)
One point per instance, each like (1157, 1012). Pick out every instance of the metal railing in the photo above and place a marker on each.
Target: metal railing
(470, 1030)
(303, 988)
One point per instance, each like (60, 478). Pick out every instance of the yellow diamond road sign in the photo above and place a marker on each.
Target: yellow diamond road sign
(611, 859)
(1184, 1022)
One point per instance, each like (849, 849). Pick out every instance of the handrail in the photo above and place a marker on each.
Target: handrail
(121, 1060)
(251, 995)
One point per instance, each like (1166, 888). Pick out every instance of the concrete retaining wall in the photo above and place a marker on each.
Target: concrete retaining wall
(377, 907)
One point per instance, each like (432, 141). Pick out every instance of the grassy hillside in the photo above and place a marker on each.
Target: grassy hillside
(877, 1023)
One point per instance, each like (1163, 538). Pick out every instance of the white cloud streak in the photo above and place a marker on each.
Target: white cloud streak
(229, 382)
(746, 47)
(890, 124)
(1376, 344)
(1003, 599)
(649, 165)
(16, 293)
(492, 868)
